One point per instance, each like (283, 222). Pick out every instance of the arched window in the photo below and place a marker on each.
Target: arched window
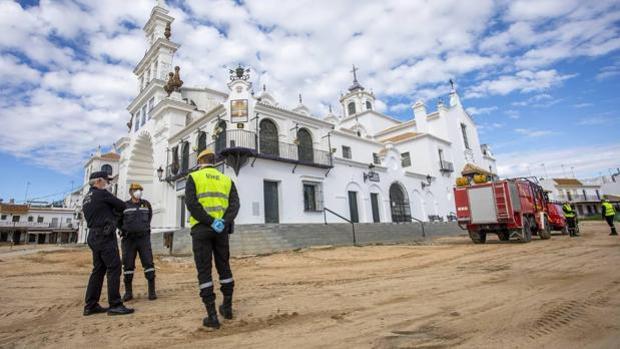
(351, 108)
(268, 138)
(368, 105)
(305, 153)
(185, 157)
(107, 169)
(174, 165)
(201, 142)
(399, 204)
(220, 138)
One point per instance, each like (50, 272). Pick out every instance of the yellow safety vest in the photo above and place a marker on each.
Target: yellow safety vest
(568, 211)
(609, 209)
(212, 190)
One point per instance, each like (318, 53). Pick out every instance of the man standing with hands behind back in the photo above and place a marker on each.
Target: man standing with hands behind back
(212, 200)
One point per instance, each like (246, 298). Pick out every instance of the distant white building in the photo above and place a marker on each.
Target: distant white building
(584, 196)
(37, 224)
(288, 164)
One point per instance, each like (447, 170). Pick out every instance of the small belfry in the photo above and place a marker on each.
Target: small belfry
(357, 99)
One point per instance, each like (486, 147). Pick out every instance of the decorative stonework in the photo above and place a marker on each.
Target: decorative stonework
(167, 31)
(174, 81)
(239, 73)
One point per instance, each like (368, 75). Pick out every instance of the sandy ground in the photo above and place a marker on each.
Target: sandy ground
(560, 293)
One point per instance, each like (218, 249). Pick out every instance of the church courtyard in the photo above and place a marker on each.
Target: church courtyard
(450, 293)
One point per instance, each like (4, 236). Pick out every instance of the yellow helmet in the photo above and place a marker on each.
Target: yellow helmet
(205, 153)
(135, 186)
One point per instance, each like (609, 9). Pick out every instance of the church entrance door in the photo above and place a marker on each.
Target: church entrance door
(270, 190)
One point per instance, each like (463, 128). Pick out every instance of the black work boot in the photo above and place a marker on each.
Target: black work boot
(226, 308)
(211, 320)
(613, 231)
(97, 309)
(128, 289)
(119, 310)
(152, 294)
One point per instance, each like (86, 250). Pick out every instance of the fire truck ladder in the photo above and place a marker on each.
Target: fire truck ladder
(501, 200)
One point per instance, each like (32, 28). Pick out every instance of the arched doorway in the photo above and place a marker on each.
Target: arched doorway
(140, 167)
(220, 138)
(399, 204)
(268, 138)
(305, 152)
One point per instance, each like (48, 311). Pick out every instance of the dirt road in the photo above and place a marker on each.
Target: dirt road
(560, 293)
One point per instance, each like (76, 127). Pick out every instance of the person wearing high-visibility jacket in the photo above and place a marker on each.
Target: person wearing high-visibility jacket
(571, 218)
(609, 212)
(213, 202)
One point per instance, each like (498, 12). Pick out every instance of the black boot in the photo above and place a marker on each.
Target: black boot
(211, 320)
(613, 231)
(152, 294)
(119, 310)
(226, 308)
(128, 289)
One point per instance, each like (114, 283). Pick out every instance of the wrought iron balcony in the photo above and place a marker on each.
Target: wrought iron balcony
(446, 166)
(247, 141)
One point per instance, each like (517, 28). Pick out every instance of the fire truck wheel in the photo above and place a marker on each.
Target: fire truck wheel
(503, 235)
(545, 233)
(478, 237)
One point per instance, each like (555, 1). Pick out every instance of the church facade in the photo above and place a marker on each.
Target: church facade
(289, 165)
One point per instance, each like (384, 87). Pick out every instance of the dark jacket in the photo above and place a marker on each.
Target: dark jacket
(101, 208)
(137, 218)
(198, 212)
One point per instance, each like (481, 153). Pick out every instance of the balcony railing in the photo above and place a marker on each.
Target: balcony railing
(578, 198)
(270, 149)
(36, 225)
(446, 166)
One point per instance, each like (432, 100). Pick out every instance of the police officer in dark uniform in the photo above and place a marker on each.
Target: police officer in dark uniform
(136, 234)
(212, 200)
(102, 211)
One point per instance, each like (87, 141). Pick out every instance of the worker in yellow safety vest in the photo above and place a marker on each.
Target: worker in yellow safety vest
(571, 218)
(609, 212)
(213, 202)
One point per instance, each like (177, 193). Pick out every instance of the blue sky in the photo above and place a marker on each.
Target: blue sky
(539, 77)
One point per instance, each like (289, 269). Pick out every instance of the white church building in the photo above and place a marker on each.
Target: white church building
(288, 164)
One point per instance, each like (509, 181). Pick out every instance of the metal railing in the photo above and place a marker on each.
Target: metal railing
(179, 167)
(446, 166)
(325, 210)
(578, 198)
(37, 225)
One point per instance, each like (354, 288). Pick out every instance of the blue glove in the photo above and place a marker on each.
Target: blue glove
(218, 225)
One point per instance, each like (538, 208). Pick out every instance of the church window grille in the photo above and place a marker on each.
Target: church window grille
(185, 157)
(201, 142)
(465, 138)
(268, 138)
(136, 122)
(375, 159)
(151, 106)
(368, 105)
(107, 169)
(143, 115)
(313, 196)
(174, 167)
(220, 136)
(305, 151)
(346, 152)
(351, 108)
(405, 159)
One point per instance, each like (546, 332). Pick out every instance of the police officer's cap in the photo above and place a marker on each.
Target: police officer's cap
(135, 186)
(100, 174)
(205, 153)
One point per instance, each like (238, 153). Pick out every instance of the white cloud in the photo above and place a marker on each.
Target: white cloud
(598, 120)
(407, 50)
(586, 160)
(533, 133)
(481, 111)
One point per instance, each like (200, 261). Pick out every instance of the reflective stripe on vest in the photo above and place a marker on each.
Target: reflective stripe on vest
(212, 190)
(609, 209)
(568, 211)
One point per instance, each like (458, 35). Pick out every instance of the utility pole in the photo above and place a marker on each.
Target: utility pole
(545, 170)
(572, 168)
(564, 171)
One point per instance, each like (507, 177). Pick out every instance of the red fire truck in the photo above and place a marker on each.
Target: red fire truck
(511, 208)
